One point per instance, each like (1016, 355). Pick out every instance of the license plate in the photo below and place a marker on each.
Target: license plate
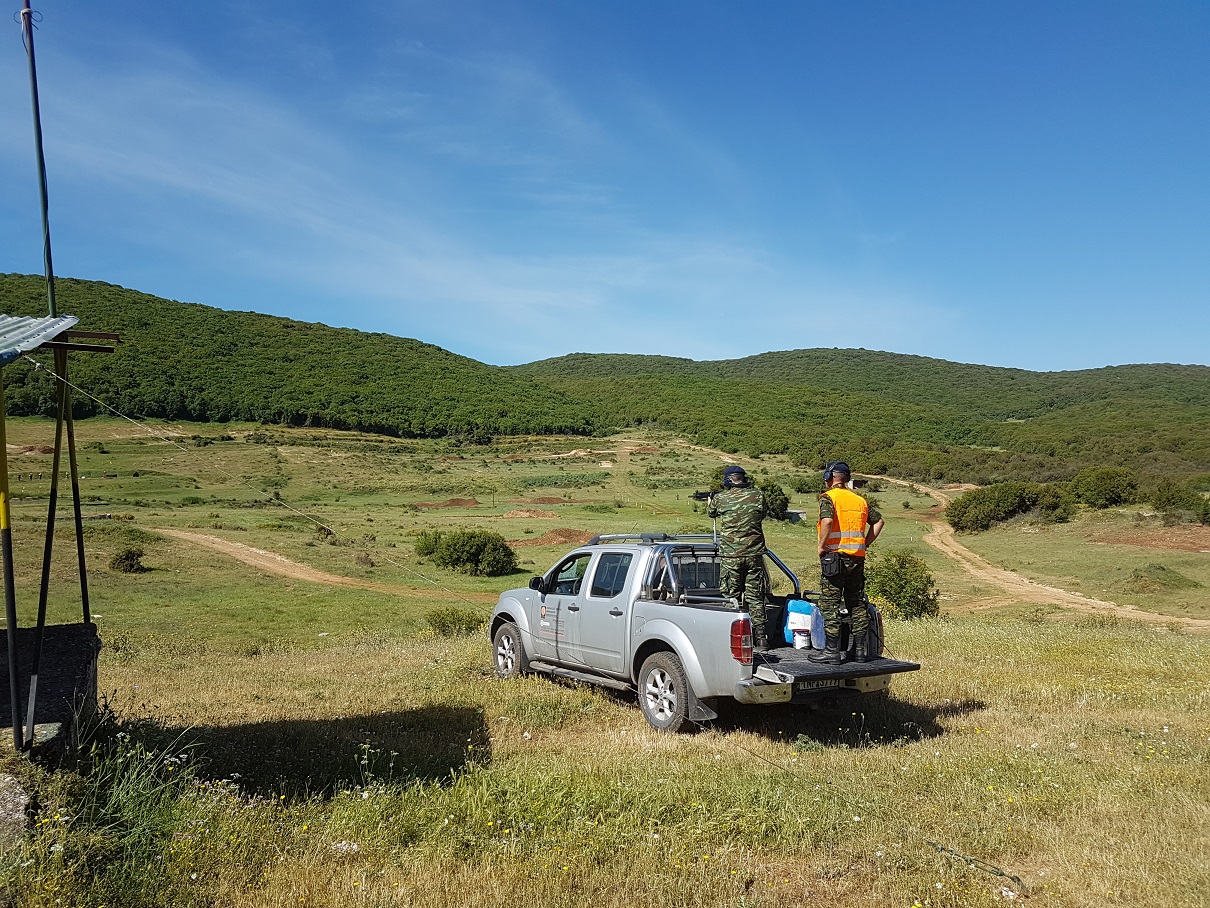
(816, 685)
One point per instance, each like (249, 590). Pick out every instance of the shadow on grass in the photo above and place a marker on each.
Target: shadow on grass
(318, 757)
(876, 721)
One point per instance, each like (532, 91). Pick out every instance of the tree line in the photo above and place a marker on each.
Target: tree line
(915, 417)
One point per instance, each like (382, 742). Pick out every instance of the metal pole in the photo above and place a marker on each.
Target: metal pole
(52, 508)
(10, 596)
(27, 26)
(75, 492)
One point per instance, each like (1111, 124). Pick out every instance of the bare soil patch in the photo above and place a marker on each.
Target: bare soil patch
(449, 503)
(561, 536)
(528, 512)
(1181, 539)
(546, 499)
(272, 563)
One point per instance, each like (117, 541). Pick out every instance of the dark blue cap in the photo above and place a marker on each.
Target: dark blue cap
(836, 466)
(734, 470)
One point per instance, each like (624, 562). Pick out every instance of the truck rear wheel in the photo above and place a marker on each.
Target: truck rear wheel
(664, 693)
(510, 659)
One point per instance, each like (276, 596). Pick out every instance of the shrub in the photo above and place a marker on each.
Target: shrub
(776, 500)
(1055, 503)
(980, 508)
(427, 542)
(903, 583)
(129, 561)
(805, 485)
(1104, 487)
(453, 621)
(1178, 501)
(480, 553)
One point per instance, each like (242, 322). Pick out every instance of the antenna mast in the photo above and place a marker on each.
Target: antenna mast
(27, 30)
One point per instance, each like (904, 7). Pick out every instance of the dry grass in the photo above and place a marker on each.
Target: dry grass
(1073, 757)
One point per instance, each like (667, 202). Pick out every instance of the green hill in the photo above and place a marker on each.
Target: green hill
(915, 416)
(912, 416)
(187, 361)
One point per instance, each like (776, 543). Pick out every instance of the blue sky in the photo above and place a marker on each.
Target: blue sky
(1018, 184)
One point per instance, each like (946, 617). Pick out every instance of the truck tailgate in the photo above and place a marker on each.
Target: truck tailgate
(789, 665)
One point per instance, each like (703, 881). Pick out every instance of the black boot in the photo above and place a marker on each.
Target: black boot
(830, 655)
(860, 650)
(760, 640)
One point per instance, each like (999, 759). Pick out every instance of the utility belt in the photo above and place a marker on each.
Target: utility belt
(833, 564)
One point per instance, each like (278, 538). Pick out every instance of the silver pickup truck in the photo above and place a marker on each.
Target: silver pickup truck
(644, 612)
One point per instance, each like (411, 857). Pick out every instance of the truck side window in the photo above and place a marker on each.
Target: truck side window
(570, 575)
(610, 576)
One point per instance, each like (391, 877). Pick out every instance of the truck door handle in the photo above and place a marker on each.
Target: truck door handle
(573, 608)
(616, 612)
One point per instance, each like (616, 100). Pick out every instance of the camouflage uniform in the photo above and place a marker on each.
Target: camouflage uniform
(848, 587)
(741, 543)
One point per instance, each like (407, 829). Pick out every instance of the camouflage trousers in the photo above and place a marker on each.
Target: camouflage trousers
(744, 578)
(845, 589)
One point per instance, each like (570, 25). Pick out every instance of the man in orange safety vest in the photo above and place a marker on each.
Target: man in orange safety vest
(847, 526)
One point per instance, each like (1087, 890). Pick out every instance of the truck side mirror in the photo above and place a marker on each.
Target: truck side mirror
(535, 583)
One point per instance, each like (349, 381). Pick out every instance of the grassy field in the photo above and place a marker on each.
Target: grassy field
(273, 741)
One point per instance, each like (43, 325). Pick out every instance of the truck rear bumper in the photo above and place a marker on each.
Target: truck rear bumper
(787, 676)
(758, 691)
(754, 690)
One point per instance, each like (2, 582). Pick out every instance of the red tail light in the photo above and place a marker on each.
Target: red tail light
(741, 640)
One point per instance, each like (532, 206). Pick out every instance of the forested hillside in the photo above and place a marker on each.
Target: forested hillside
(187, 361)
(912, 416)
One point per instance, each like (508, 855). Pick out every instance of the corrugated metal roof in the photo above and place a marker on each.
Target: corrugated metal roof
(20, 334)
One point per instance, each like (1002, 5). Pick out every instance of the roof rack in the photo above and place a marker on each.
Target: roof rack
(648, 538)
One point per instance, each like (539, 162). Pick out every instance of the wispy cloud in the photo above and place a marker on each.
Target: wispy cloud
(524, 249)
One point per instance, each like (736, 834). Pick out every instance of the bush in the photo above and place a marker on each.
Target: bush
(805, 485)
(453, 621)
(1055, 503)
(903, 584)
(480, 553)
(427, 542)
(1104, 487)
(980, 508)
(129, 561)
(1180, 502)
(776, 500)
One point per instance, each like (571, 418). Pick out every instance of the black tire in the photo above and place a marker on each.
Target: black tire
(508, 653)
(664, 693)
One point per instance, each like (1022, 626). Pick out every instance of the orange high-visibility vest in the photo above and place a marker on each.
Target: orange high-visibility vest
(848, 527)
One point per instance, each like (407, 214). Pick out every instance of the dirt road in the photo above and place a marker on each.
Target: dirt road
(272, 563)
(1016, 588)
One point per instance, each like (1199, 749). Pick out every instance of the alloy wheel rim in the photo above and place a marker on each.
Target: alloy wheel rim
(661, 695)
(504, 654)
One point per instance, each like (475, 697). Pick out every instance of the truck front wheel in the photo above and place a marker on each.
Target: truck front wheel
(509, 653)
(664, 693)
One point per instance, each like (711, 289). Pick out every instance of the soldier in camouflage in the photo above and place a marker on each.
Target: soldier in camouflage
(740, 510)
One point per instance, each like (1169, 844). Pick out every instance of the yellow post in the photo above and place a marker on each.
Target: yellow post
(10, 595)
